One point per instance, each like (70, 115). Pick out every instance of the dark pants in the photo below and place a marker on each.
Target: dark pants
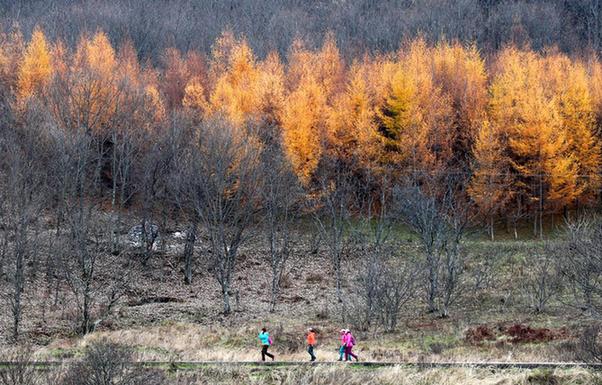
(264, 352)
(349, 353)
(310, 350)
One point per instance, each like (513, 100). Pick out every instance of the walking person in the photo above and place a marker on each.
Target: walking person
(342, 334)
(266, 342)
(311, 343)
(349, 344)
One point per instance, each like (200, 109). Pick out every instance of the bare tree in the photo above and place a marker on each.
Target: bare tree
(280, 195)
(85, 260)
(331, 212)
(440, 218)
(421, 214)
(457, 215)
(580, 262)
(386, 283)
(24, 183)
(539, 279)
(180, 131)
(223, 185)
(398, 283)
(151, 185)
(125, 152)
(590, 346)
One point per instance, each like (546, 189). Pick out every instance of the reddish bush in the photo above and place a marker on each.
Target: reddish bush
(518, 333)
(479, 334)
(523, 334)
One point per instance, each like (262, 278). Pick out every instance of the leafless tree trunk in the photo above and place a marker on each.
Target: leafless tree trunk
(440, 220)
(191, 235)
(457, 215)
(223, 185)
(84, 260)
(331, 213)
(421, 214)
(182, 149)
(280, 194)
(23, 190)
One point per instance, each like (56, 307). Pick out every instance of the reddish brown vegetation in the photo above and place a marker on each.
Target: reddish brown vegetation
(524, 334)
(515, 333)
(479, 334)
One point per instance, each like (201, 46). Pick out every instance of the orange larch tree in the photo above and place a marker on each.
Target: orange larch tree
(302, 119)
(35, 70)
(537, 144)
(460, 73)
(490, 184)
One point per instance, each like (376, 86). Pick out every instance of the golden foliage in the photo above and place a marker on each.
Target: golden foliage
(351, 122)
(194, 96)
(302, 128)
(537, 145)
(35, 70)
(155, 102)
(236, 92)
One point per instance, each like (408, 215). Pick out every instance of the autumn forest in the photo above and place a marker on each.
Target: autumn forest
(518, 127)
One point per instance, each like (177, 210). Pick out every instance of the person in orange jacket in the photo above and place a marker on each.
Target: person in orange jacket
(311, 343)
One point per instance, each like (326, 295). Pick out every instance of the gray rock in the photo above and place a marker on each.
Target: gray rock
(135, 234)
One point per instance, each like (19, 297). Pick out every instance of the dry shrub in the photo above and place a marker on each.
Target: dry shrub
(516, 333)
(288, 342)
(314, 277)
(286, 281)
(107, 362)
(22, 372)
(568, 351)
(525, 334)
(479, 334)
(543, 377)
(437, 348)
(589, 348)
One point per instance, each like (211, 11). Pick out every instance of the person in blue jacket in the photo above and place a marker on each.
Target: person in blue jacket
(266, 341)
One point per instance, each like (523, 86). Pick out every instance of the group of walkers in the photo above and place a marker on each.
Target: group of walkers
(347, 341)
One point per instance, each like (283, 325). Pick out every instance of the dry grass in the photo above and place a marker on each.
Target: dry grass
(193, 342)
(393, 376)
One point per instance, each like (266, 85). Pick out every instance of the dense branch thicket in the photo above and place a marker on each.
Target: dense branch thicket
(360, 26)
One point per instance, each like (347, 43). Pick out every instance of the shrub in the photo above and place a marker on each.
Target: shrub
(22, 372)
(524, 333)
(542, 377)
(589, 348)
(106, 363)
(479, 334)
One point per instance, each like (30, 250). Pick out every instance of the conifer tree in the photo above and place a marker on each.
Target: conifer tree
(303, 128)
(35, 70)
(578, 121)
(490, 185)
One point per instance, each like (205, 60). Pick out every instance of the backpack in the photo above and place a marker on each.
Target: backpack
(352, 340)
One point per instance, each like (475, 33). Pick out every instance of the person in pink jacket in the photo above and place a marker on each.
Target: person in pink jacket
(349, 341)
